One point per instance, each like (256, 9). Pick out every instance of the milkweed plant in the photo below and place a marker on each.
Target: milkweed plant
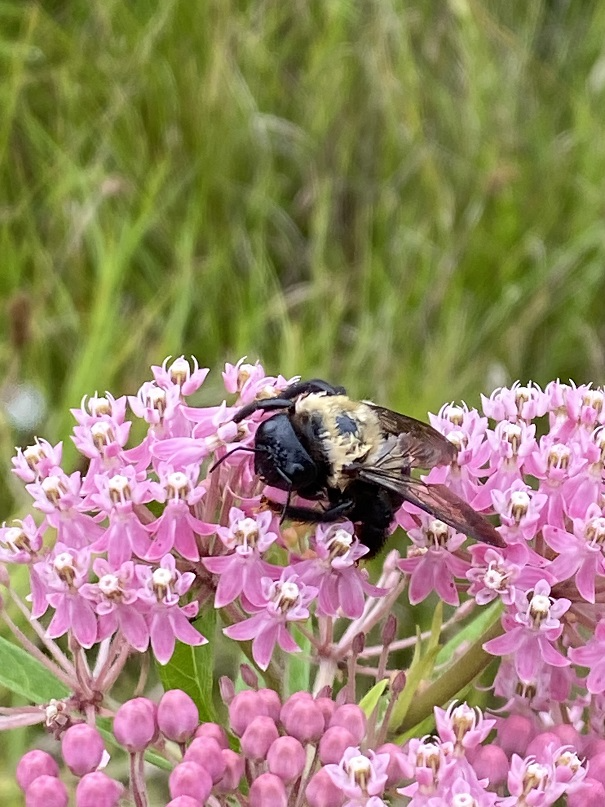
(151, 563)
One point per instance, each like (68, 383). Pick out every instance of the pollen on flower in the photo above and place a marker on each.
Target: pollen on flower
(65, 567)
(339, 544)
(454, 413)
(177, 485)
(245, 532)
(161, 580)
(119, 489)
(180, 371)
(359, 769)
(594, 399)
(53, 487)
(15, 539)
(568, 759)
(437, 532)
(458, 439)
(512, 433)
(519, 505)
(97, 405)
(495, 578)
(559, 457)
(595, 531)
(536, 777)
(102, 434)
(33, 455)
(539, 609)
(286, 595)
(109, 584)
(155, 398)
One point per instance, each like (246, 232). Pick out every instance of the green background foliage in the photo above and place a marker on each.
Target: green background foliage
(403, 196)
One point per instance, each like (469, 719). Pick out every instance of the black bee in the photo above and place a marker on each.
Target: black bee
(357, 459)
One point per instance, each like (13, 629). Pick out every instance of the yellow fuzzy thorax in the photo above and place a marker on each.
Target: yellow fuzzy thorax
(342, 447)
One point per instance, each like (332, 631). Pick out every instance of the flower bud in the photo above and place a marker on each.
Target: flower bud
(205, 751)
(334, 743)
(568, 735)
(352, 718)
(322, 792)
(46, 790)
(244, 707)
(190, 779)
(184, 801)
(268, 789)
(490, 762)
(328, 707)
(272, 703)
(304, 720)
(178, 716)
(590, 792)
(297, 697)
(286, 758)
(257, 738)
(538, 747)
(214, 731)
(398, 768)
(98, 790)
(135, 724)
(596, 768)
(33, 764)
(82, 748)
(514, 734)
(234, 771)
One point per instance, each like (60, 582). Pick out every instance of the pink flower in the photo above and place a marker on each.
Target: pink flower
(162, 589)
(335, 572)
(430, 561)
(179, 374)
(360, 775)
(243, 569)
(36, 462)
(532, 630)
(286, 600)
(592, 655)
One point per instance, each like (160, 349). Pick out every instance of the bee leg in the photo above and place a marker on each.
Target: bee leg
(309, 515)
(306, 387)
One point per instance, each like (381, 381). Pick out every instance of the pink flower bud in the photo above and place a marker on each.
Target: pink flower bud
(490, 762)
(272, 703)
(82, 749)
(328, 707)
(244, 707)
(304, 720)
(352, 718)
(398, 768)
(214, 731)
(514, 735)
(539, 746)
(190, 779)
(588, 793)
(334, 743)
(98, 790)
(234, 771)
(322, 792)
(297, 697)
(184, 801)
(46, 790)
(33, 764)
(257, 738)
(286, 758)
(268, 789)
(178, 716)
(135, 724)
(205, 751)
(596, 768)
(594, 746)
(568, 735)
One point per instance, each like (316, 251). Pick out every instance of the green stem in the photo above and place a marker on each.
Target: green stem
(454, 679)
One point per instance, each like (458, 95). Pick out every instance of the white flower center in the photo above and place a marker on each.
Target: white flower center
(53, 487)
(109, 584)
(519, 505)
(359, 769)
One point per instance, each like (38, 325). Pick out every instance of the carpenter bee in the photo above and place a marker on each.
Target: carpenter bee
(356, 458)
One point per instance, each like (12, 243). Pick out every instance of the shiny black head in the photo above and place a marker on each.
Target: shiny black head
(280, 458)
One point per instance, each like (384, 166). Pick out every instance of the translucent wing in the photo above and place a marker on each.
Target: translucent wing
(438, 500)
(417, 444)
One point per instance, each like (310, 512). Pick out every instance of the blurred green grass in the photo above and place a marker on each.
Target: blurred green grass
(404, 197)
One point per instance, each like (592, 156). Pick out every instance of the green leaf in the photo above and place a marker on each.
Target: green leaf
(298, 669)
(471, 632)
(192, 669)
(420, 669)
(26, 676)
(371, 699)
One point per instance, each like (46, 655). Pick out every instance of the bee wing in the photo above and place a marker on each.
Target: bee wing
(418, 444)
(438, 500)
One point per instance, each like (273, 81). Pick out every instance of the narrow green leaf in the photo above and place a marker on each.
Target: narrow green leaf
(298, 669)
(471, 632)
(191, 668)
(370, 700)
(26, 676)
(420, 669)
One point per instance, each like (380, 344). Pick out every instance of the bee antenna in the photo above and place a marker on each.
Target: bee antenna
(229, 453)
